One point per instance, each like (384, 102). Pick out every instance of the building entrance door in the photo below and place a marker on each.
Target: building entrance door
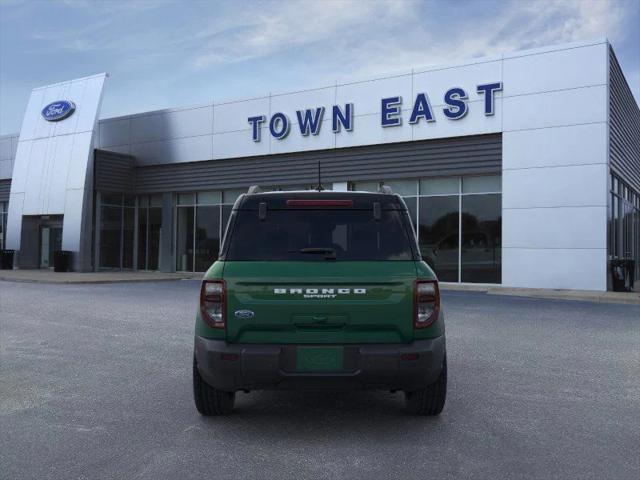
(50, 241)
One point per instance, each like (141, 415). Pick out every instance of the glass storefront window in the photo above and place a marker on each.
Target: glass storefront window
(230, 196)
(624, 223)
(198, 230)
(365, 186)
(438, 208)
(128, 237)
(403, 187)
(481, 244)
(155, 229)
(184, 237)
(209, 198)
(457, 220)
(110, 236)
(439, 186)
(124, 241)
(155, 200)
(438, 235)
(207, 237)
(186, 199)
(149, 228)
(111, 199)
(485, 184)
(142, 233)
(117, 231)
(3, 223)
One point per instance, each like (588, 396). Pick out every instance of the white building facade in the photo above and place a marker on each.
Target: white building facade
(521, 170)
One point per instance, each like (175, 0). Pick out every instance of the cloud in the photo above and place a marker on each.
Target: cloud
(292, 25)
(178, 51)
(376, 37)
(515, 26)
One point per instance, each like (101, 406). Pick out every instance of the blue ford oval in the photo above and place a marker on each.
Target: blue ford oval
(59, 110)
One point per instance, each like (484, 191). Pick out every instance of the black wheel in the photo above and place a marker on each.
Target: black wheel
(429, 400)
(210, 401)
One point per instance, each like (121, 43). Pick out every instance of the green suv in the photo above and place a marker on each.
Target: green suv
(319, 290)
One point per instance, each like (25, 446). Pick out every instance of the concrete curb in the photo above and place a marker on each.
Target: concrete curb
(46, 277)
(92, 278)
(94, 282)
(629, 298)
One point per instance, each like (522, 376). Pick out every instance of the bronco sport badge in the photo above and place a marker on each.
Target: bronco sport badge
(319, 292)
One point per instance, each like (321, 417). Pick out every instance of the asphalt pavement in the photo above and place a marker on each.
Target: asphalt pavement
(95, 383)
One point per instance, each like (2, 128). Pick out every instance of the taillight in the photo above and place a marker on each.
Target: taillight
(213, 302)
(426, 303)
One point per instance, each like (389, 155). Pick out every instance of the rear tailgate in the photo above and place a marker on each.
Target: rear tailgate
(319, 302)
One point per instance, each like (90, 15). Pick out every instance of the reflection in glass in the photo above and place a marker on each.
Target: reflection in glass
(481, 238)
(128, 237)
(110, 236)
(111, 199)
(226, 213)
(365, 186)
(439, 186)
(142, 238)
(149, 224)
(207, 237)
(438, 235)
(155, 226)
(209, 198)
(403, 187)
(482, 184)
(184, 239)
(412, 206)
(3, 223)
(230, 196)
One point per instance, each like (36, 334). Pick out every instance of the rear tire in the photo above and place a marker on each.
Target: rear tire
(210, 401)
(429, 400)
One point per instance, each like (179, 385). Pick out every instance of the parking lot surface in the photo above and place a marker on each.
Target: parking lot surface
(95, 382)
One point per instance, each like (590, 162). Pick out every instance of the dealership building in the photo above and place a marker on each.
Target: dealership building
(521, 169)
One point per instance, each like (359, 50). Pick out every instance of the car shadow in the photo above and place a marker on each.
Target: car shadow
(301, 413)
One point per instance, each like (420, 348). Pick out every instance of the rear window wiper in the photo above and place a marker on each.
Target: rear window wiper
(329, 253)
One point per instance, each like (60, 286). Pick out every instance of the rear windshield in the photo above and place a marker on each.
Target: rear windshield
(319, 235)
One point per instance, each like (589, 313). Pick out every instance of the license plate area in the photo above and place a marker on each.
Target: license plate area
(319, 359)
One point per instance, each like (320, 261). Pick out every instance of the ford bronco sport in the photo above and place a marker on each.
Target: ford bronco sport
(319, 290)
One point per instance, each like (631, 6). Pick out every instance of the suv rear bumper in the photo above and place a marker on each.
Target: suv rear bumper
(232, 367)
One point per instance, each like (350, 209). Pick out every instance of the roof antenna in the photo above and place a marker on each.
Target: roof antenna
(319, 178)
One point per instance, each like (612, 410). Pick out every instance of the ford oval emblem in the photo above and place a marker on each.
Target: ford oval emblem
(56, 111)
(244, 314)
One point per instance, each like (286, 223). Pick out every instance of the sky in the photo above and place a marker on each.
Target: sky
(162, 54)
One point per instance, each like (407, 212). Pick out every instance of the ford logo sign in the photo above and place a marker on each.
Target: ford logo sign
(56, 111)
(244, 314)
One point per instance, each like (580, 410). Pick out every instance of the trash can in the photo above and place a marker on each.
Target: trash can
(61, 260)
(622, 274)
(632, 274)
(6, 259)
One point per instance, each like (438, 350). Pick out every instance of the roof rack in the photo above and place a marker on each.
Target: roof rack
(386, 189)
(254, 189)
